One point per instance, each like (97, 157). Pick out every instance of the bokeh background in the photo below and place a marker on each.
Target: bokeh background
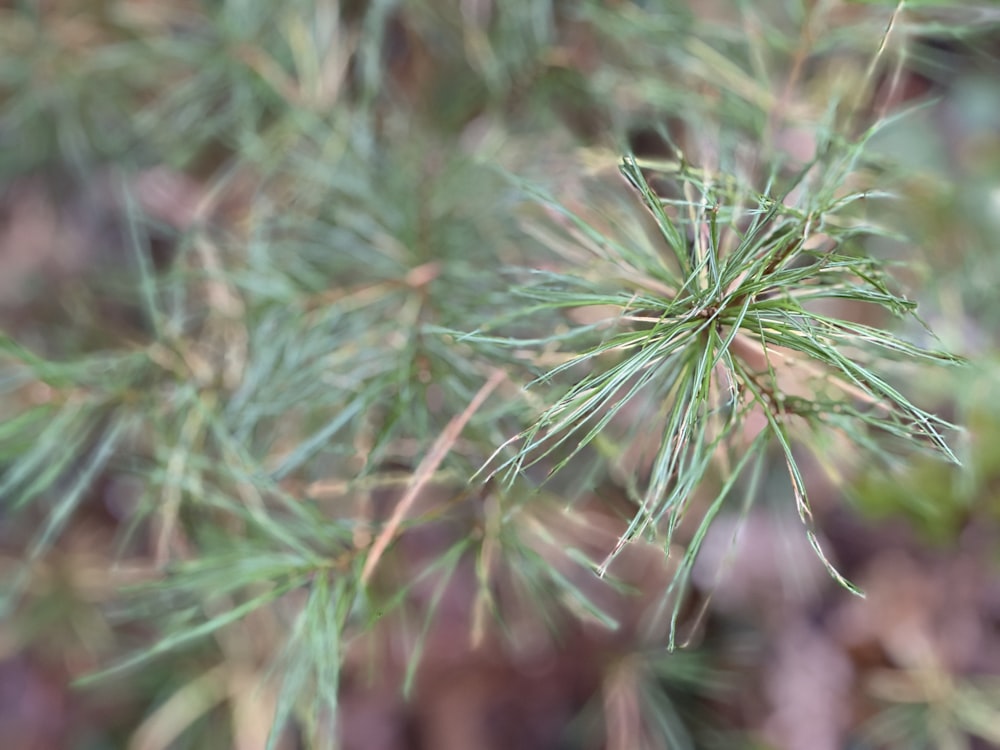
(288, 181)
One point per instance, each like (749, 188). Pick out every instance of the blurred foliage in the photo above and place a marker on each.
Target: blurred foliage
(336, 352)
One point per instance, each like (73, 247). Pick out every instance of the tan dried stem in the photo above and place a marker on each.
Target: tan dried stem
(425, 471)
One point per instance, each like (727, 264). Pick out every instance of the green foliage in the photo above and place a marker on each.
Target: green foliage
(396, 243)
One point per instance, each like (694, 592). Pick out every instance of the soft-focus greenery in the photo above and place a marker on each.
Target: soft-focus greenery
(390, 205)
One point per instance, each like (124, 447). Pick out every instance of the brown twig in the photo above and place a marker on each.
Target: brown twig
(424, 473)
